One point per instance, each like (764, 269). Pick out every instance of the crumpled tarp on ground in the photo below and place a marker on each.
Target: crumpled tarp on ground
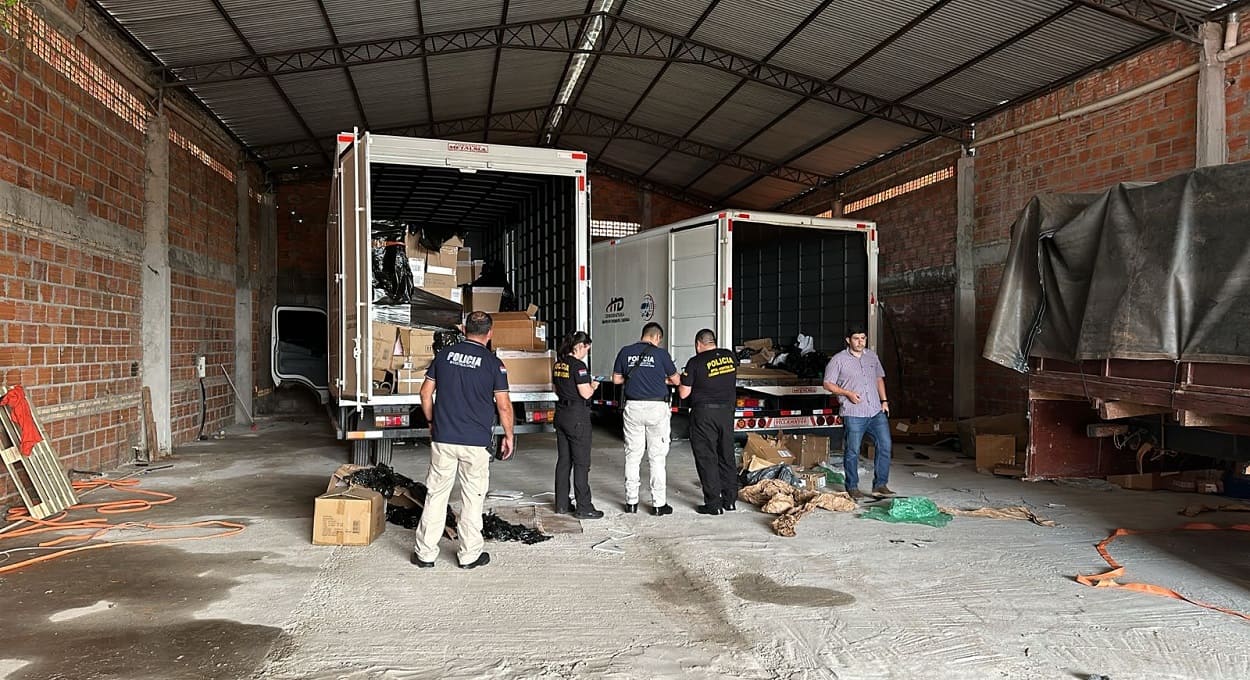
(1018, 512)
(779, 498)
(386, 481)
(1158, 271)
(1196, 509)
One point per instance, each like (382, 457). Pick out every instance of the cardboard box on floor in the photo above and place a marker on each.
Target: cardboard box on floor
(767, 449)
(1015, 424)
(527, 371)
(1188, 481)
(993, 450)
(347, 514)
(808, 450)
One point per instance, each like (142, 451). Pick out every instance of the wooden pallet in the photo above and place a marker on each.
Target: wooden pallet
(38, 477)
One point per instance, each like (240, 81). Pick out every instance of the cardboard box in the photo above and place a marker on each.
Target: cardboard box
(518, 330)
(528, 371)
(768, 449)
(994, 450)
(483, 299)
(439, 281)
(809, 450)
(416, 341)
(351, 516)
(1015, 424)
(813, 481)
(1196, 481)
(1148, 481)
(385, 344)
(465, 254)
(464, 273)
(409, 380)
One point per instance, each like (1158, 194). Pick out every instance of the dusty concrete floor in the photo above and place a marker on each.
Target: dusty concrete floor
(691, 597)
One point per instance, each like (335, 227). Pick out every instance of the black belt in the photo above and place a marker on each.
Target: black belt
(664, 399)
(714, 405)
(568, 402)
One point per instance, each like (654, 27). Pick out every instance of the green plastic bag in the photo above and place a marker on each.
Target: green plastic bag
(913, 510)
(834, 478)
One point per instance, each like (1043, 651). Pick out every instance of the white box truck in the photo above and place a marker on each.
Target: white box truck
(746, 275)
(527, 208)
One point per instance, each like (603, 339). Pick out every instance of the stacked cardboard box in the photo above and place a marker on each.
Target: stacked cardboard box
(401, 356)
(435, 271)
(528, 371)
(519, 330)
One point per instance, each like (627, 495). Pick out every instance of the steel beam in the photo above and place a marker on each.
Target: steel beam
(1151, 14)
(621, 37)
(583, 123)
(631, 179)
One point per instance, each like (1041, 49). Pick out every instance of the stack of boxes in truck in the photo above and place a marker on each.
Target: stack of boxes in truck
(403, 353)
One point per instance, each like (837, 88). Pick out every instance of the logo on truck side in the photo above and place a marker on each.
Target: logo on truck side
(614, 311)
(647, 308)
(470, 148)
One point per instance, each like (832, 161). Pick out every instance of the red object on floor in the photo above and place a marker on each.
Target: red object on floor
(19, 409)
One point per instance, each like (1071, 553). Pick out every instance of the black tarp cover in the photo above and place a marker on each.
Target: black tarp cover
(1143, 271)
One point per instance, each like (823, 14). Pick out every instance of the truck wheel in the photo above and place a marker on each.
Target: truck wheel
(360, 451)
(382, 452)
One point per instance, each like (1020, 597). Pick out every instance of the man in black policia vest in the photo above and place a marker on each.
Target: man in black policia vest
(472, 386)
(646, 370)
(710, 381)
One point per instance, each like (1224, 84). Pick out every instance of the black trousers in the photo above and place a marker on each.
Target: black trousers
(573, 447)
(712, 441)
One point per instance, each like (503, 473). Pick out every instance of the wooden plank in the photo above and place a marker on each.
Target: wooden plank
(151, 448)
(1114, 410)
(1192, 419)
(52, 491)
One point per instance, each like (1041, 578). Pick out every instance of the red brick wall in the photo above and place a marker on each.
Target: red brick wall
(69, 315)
(1151, 137)
(916, 232)
(203, 215)
(70, 310)
(302, 212)
(618, 201)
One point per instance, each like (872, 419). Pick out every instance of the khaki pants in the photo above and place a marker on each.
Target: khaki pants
(646, 430)
(470, 465)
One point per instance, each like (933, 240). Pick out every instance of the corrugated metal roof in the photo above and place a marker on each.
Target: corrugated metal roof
(750, 109)
(811, 122)
(866, 142)
(616, 83)
(770, 22)
(393, 92)
(682, 96)
(460, 84)
(764, 194)
(527, 80)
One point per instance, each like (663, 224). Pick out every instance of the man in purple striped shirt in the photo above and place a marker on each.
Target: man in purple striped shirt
(856, 377)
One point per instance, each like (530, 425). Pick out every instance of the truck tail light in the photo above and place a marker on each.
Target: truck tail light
(391, 421)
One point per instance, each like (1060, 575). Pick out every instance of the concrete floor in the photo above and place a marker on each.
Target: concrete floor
(691, 597)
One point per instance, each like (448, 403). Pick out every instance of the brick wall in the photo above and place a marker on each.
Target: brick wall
(69, 308)
(916, 232)
(1148, 138)
(618, 201)
(203, 215)
(71, 240)
(302, 212)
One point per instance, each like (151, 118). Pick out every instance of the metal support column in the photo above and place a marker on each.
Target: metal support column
(1212, 142)
(155, 307)
(965, 290)
(244, 335)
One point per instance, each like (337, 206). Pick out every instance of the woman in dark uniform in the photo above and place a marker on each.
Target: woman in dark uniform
(574, 386)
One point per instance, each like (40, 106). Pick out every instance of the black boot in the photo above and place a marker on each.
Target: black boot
(709, 510)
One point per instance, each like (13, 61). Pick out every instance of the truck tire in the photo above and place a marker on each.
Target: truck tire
(360, 451)
(382, 452)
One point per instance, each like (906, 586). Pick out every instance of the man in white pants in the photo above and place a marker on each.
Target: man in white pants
(646, 370)
(472, 386)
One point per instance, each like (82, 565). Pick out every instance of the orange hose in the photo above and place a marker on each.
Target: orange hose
(1107, 579)
(94, 528)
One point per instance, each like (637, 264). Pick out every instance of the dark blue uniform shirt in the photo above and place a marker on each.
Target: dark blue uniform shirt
(466, 377)
(646, 382)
